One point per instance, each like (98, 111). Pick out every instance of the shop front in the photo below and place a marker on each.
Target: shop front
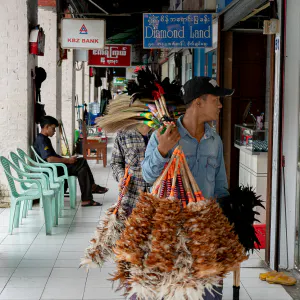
(186, 66)
(243, 60)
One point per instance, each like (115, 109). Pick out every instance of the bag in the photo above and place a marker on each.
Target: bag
(40, 76)
(39, 112)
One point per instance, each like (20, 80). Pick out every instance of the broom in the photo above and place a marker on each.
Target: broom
(108, 232)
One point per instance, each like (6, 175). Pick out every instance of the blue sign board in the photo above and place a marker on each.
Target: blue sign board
(221, 4)
(172, 30)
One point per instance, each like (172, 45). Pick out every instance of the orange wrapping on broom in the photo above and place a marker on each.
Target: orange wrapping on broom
(123, 192)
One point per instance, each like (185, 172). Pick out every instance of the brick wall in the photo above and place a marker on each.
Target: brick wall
(16, 93)
(51, 87)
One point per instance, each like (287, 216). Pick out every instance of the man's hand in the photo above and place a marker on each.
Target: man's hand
(72, 160)
(167, 140)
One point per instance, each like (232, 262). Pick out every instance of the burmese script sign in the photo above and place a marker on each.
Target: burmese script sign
(111, 56)
(174, 30)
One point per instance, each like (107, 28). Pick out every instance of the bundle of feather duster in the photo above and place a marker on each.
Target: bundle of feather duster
(107, 232)
(173, 250)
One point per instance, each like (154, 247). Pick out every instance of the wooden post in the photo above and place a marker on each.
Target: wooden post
(236, 283)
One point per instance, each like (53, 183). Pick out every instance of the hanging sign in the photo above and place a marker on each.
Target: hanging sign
(119, 80)
(174, 30)
(83, 33)
(111, 56)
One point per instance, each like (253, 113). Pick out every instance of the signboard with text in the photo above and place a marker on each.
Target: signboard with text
(111, 56)
(83, 33)
(177, 30)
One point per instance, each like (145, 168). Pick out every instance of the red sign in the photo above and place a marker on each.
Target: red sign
(111, 56)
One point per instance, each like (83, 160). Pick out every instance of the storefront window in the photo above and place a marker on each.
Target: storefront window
(211, 64)
(171, 68)
(188, 67)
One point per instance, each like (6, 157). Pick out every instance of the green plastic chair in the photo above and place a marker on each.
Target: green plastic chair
(56, 183)
(41, 191)
(56, 187)
(71, 179)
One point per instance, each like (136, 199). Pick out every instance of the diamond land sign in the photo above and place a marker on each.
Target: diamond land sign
(174, 30)
(83, 33)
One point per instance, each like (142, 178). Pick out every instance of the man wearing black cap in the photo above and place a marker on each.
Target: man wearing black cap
(201, 145)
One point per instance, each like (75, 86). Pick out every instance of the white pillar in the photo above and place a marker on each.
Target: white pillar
(51, 87)
(92, 89)
(16, 93)
(68, 100)
(86, 83)
(79, 91)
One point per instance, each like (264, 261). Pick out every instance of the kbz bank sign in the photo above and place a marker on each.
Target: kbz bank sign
(174, 30)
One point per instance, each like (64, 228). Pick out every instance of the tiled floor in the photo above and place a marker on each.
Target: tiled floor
(35, 266)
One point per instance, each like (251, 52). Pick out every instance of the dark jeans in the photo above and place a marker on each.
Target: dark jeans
(82, 171)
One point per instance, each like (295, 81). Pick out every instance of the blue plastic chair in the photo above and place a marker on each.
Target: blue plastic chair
(56, 187)
(71, 179)
(41, 190)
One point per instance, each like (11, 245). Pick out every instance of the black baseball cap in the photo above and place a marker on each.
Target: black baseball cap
(199, 86)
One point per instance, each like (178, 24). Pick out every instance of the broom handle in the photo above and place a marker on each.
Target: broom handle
(173, 187)
(163, 186)
(163, 100)
(163, 175)
(158, 109)
(122, 194)
(194, 184)
(163, 110)
(186, 184)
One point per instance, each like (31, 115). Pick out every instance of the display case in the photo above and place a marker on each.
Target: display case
(248, 137)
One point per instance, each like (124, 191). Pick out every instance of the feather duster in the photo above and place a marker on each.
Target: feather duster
(239, 208)
(108, 232)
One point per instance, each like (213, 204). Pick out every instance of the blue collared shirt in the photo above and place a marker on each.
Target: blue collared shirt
(205, 159)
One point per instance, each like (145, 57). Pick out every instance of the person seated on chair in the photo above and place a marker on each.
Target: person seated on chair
(76, 166)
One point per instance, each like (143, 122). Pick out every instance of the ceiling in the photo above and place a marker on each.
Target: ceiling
(119, 25)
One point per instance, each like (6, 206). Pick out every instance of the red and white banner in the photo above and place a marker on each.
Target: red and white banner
(111, 56)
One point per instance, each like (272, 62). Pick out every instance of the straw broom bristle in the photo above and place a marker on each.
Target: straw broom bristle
(112, 127)
(117, 116)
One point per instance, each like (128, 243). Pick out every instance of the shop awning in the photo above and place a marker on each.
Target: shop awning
(126, 37)
(238, 10)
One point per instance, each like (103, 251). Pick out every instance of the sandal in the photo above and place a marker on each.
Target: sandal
(99, 189)
(263, 276)
(281, 278)
(91, 203)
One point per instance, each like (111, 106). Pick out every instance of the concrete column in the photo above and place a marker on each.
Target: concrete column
(86, 83)
(16, 93)
(79, 90)
(68, 100)
(92, 89)
(51, 87)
